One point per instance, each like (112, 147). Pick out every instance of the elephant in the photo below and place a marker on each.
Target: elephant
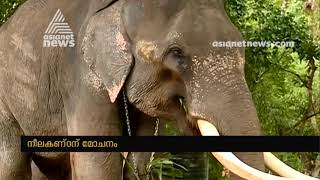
(154, 54)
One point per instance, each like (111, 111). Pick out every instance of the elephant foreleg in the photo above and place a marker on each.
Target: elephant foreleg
(14, 164)
(90, 114)
(36, 173)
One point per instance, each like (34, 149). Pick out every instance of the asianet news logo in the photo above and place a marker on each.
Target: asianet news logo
(58, 33)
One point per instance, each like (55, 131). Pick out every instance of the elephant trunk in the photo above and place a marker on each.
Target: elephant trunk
(218, 96)
(233, 113)
(230, 109)
(218, 93)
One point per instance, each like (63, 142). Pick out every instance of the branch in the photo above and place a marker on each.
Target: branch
(305, 119)
(303, 81)
(284, 7)
(297, 75)
(261, 75)
(312, 115)
(293, 73)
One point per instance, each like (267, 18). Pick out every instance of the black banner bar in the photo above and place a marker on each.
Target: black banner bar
(170, 144)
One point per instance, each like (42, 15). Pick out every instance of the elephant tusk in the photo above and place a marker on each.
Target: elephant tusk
(124, 156)
(276, 165)
(231, 162)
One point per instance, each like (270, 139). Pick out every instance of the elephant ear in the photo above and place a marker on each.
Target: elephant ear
(98, 5)
(133, 14)
(106, 49)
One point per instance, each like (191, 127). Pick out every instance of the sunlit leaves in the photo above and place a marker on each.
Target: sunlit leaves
(7, 8)
(277, 76)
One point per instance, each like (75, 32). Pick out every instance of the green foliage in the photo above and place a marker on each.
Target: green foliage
(216, 170)
(277, 77)
(7, 8)
(197, 164)
(166, 165)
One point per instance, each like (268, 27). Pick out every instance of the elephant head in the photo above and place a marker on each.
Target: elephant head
(160, 52)
(172, 44)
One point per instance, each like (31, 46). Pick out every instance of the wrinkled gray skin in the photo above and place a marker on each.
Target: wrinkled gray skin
(156, 50)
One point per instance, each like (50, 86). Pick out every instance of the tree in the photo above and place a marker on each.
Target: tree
(7, 8)
(284, 81)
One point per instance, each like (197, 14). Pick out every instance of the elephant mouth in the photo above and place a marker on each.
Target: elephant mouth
(236, 166)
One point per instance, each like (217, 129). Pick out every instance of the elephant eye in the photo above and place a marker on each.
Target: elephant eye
(178, 55)
(177, 58)
(177, 52)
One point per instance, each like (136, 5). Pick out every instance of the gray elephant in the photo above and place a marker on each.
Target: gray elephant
(152, 52)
